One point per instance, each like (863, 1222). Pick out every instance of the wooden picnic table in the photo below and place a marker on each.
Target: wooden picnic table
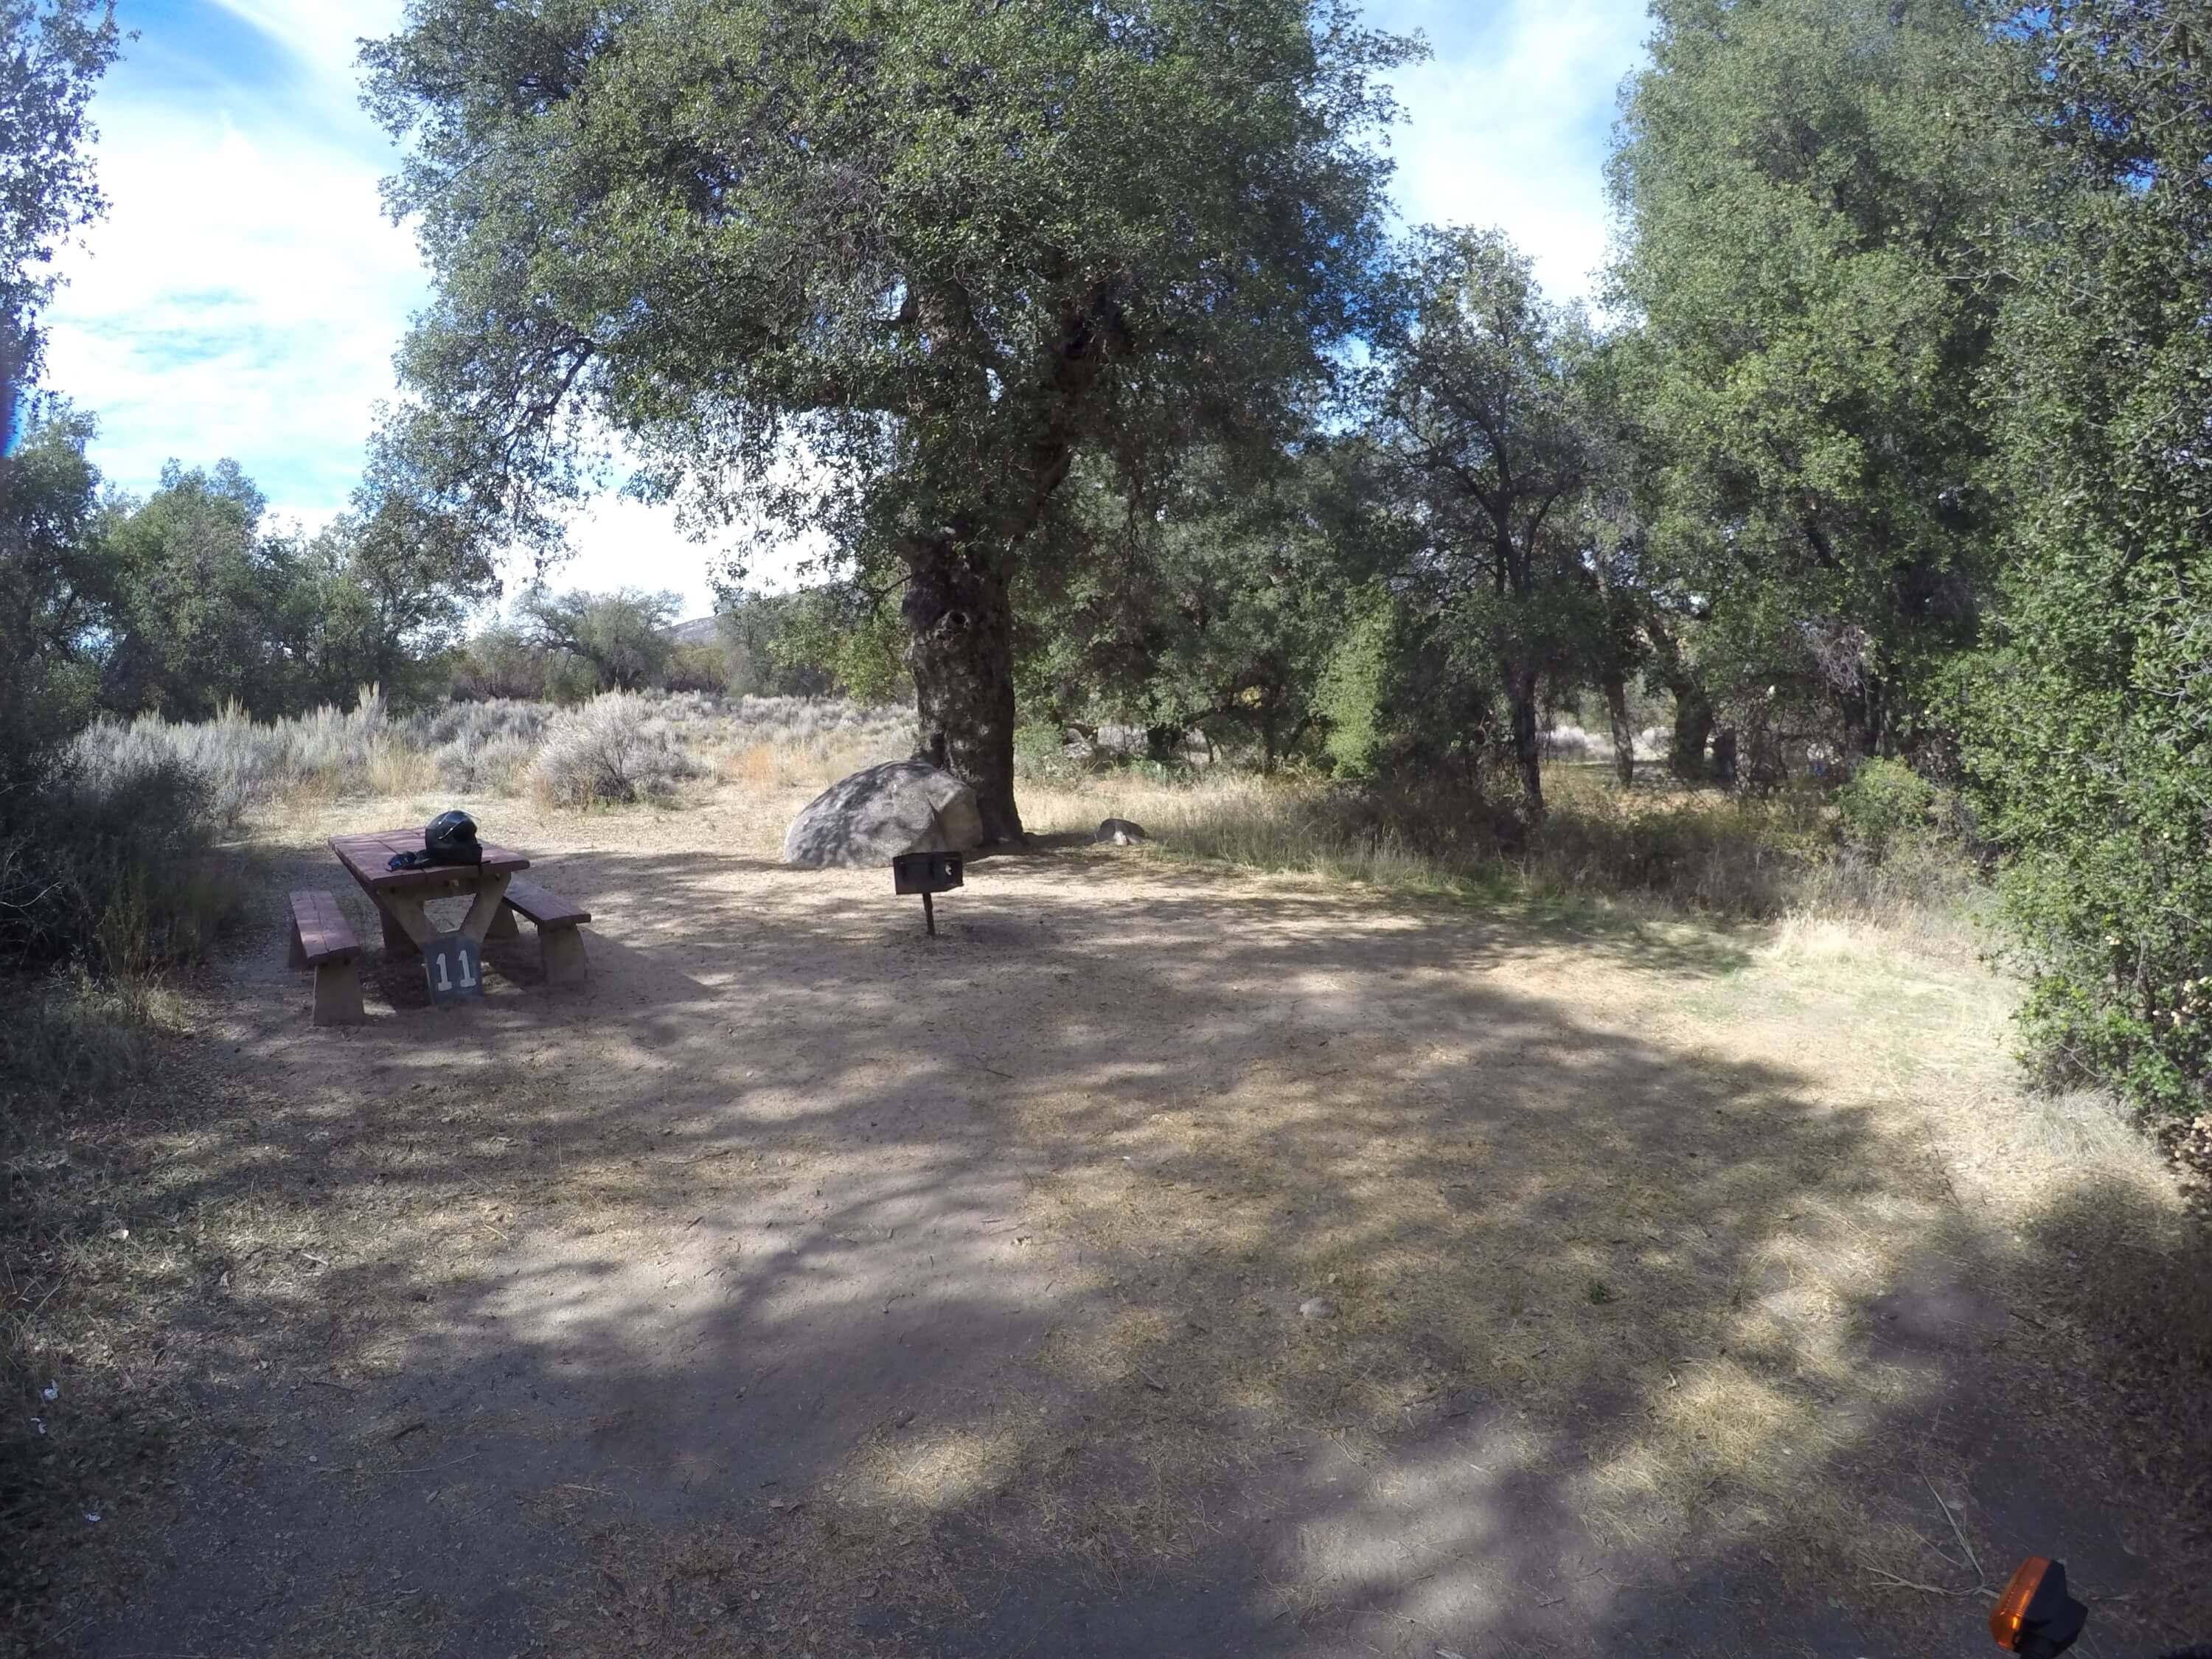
(399, 895)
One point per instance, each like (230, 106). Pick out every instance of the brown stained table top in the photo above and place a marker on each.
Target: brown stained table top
(366, 857)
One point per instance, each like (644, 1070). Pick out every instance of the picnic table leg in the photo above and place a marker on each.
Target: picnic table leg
(404, 913)
(486, 908)
(560, 952)
(502, 923)
(397, 942)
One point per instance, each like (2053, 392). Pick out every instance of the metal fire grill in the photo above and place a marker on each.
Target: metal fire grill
(926, 874)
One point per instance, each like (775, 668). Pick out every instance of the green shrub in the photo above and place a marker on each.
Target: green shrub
(1041, 755)
(1885, 801)
(1355, 686)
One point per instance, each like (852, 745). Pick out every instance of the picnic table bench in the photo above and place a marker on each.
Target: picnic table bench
(324, 939)
(560, 947)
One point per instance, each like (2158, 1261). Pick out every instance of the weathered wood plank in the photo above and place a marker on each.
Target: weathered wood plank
(320, 931)
(366, 856)
(543, 906)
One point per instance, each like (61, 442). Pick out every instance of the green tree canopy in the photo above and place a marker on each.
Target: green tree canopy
(52, 590)
(2089, 725)
(206, 599)
(1483, 433)
(54, 594)
(1212, 605)
(1810, 190)
(382, 595)
(623, 636)
(891, 268)
(53, 53)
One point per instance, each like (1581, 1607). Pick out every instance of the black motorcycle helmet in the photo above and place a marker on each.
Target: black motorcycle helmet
(451, 839)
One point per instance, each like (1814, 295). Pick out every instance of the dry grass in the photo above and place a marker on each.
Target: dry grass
(754, 766)
(1655, 850)
(79, 1065)
(1696, 850)
(1667, 1308)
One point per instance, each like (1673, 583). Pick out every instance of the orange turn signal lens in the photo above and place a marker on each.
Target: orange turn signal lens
(2010, 1616)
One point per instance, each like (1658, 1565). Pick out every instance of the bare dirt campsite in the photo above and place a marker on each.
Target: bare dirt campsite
(1050, 829)
(1164, 1260)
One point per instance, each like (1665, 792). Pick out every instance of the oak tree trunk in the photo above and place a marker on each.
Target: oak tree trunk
(1624, 735)
(1527, 749)
(1694, 729)
(961, 653)
(1724, 744)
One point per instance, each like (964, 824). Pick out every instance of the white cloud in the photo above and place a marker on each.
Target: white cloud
(622, 543)
(243, 297)
(1510, 122)
(324, 34)
(246, 295)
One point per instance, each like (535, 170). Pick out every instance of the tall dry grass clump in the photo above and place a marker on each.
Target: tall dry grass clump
(1702, 851)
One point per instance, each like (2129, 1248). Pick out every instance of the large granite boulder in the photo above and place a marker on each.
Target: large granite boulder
(871, 817)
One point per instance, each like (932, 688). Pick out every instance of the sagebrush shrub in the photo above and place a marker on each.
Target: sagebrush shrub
(113, 868)
(240, 762)
(485, 766)
(611, 750)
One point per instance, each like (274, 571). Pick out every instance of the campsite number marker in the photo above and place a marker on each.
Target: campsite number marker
(452, 967)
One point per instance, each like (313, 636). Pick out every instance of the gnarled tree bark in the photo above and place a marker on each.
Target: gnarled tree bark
(1624, 734)
(957, 605)
(962, 656)
(1527, 741)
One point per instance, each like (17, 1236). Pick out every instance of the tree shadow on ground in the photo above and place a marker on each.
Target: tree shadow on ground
(1142, 1266)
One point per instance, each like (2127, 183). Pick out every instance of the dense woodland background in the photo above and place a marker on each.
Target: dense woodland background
(1885, 468)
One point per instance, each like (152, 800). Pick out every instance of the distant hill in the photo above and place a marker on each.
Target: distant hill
(700, 630)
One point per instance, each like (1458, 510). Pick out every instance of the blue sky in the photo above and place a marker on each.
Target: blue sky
(245, 292)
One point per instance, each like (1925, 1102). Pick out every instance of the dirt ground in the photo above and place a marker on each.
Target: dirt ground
(1161, 1261)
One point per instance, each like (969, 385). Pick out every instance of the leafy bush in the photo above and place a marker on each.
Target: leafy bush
(613, 750)
(1884, 801)
(2085, 725)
